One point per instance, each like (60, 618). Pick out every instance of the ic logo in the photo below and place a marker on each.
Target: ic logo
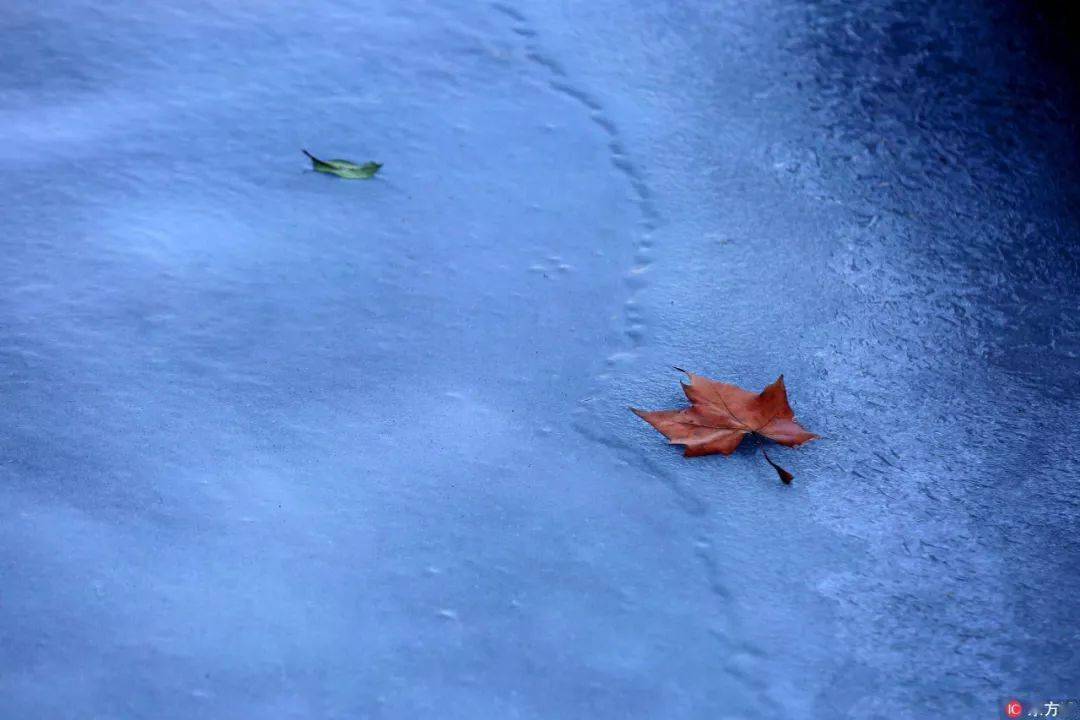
(1013, 709)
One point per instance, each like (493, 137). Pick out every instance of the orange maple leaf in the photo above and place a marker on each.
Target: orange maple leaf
(721, 415)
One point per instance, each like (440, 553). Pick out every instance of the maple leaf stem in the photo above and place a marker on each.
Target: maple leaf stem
(785, 476)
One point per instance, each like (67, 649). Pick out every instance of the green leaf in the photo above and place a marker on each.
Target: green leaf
(344, 168)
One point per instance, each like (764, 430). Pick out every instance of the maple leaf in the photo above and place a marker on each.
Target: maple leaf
(721, 415)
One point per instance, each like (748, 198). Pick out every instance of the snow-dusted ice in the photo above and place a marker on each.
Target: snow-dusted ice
(279, 445)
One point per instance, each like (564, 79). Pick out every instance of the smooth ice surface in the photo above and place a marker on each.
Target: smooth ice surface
(277, 445)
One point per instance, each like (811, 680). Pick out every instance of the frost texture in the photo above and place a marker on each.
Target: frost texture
(280, 447)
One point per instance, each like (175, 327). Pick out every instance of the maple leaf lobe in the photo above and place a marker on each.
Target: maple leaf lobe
(721, 415)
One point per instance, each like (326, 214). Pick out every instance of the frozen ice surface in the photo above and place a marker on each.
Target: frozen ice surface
(276, 445)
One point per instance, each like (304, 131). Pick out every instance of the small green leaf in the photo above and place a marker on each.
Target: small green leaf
(344, 168)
